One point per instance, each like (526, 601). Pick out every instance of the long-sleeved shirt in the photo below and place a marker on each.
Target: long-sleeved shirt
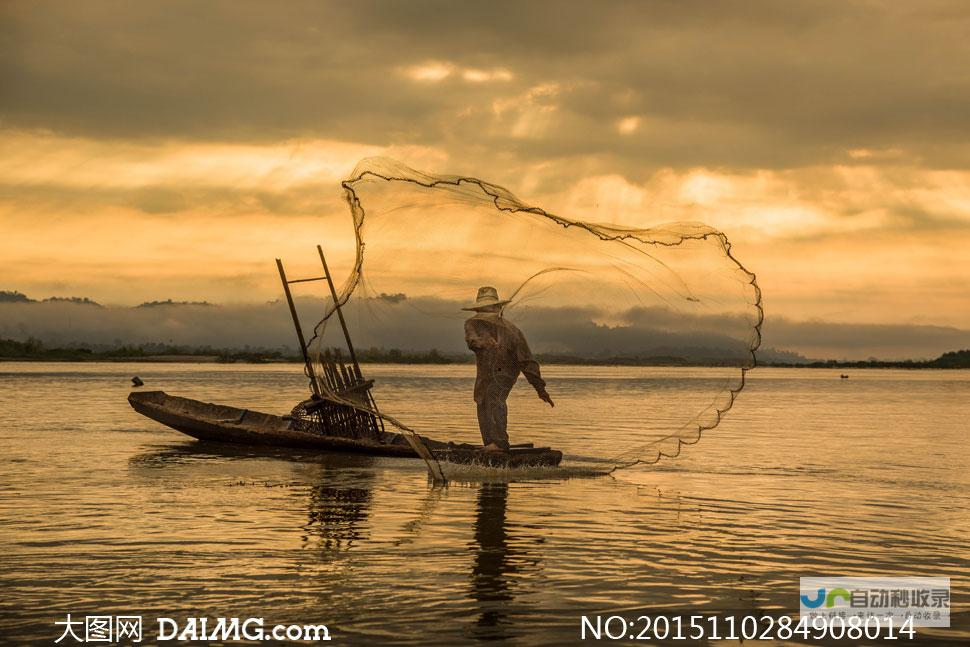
(501, 353)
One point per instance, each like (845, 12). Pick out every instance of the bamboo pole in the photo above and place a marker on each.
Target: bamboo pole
(340, 314)
(299, 330)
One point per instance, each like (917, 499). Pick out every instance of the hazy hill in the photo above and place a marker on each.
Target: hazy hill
(399, 322)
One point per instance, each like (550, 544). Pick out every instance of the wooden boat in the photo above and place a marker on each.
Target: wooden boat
(224, 424)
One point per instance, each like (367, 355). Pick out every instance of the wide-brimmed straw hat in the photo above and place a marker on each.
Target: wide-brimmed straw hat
(487, 296)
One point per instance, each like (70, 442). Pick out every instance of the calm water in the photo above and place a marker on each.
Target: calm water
(105, 512)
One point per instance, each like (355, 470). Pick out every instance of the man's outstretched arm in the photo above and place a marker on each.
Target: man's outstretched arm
(530, 368)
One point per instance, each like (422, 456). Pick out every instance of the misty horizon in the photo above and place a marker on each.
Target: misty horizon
(77, 321)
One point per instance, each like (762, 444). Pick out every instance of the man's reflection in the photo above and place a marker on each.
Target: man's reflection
(495, 561)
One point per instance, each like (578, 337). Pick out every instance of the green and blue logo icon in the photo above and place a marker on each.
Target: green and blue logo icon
(829, 599)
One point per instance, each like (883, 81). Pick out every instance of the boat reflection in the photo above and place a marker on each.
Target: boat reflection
(187, 452)
(338, 501)
(337, 515)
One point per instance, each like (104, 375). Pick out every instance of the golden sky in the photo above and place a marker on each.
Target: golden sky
(173, 150)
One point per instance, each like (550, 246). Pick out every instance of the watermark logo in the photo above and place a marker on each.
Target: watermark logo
(923, 600)
(100, 629)
(128, 630)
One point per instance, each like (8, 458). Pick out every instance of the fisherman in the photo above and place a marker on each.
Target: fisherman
(501, 353)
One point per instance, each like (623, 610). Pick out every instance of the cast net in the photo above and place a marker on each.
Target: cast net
(643, 335)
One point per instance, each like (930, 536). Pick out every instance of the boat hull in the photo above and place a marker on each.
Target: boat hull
(220, 423)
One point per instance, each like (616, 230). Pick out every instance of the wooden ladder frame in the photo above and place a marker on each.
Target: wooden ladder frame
(338, 377)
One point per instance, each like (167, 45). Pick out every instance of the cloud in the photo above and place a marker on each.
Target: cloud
(430, 72)
(437, 71)
(737, 85)
(44, 160)
(142, 140)
(128, 221)
(628, 125)
(482, 76)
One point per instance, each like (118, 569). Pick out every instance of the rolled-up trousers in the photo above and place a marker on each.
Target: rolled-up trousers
(493, 418)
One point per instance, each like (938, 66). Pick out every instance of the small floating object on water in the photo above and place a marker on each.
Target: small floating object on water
(844, 376)
(136, 381)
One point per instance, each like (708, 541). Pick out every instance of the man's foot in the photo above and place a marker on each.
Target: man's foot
(492, 447)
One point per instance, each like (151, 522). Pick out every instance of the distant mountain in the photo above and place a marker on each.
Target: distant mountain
(169, 302)
(773, 355)
(12, 296)
(953, 359)
(81, 301)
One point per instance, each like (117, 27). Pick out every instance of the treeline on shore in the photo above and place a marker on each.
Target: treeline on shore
(953, 359)
(35, 350)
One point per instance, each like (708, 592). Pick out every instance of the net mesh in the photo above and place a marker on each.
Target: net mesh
(623, 304)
